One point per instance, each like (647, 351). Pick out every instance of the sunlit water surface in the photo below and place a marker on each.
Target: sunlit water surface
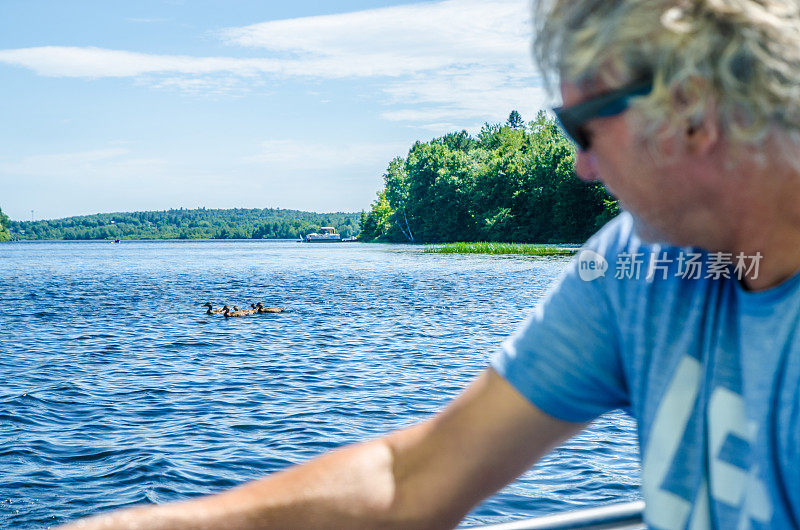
(118, 389)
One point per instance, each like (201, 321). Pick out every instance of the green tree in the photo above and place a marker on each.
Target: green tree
(4, 224)
(460, 141)
(515, 121)
(376, 224)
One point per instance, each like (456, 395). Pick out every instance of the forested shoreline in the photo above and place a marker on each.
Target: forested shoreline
(200, 223)
(513, 182)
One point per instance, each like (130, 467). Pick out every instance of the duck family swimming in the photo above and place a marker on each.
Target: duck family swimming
(227, 312)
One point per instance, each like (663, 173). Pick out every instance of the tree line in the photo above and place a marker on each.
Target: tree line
(200, 223)
(513, 182)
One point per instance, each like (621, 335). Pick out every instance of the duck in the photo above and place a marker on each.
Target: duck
(262, 309)
(211, 310)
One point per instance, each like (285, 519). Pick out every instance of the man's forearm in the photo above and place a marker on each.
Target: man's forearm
(350, 487)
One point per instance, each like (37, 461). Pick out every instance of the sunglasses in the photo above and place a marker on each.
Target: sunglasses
(573, 118)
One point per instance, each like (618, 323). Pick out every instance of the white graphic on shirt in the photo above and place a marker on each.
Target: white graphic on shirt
(729, 484)
(701, 515)
(664, 508)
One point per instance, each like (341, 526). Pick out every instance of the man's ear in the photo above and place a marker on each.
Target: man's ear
(702, 133)
(695, 100)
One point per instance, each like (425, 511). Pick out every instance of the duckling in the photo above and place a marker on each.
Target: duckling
(251, 311)
(211, 310)
(235, 313)
(262, 309)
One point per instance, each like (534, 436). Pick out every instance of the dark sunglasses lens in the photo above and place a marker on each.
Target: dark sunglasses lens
(572, 129)
(582, 138)
(573, 118)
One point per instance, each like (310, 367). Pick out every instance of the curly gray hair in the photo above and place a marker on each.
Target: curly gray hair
(741, 55)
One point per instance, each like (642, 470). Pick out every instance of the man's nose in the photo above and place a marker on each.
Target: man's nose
(586, 166)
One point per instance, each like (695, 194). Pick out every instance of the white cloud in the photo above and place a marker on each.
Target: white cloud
(453, 61)
(210, 85)
(441, 32)
(65, 61)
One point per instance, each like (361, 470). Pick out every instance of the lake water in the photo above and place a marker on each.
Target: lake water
(118, 389)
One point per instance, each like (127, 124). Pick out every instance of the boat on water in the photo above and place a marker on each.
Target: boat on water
(327, 234)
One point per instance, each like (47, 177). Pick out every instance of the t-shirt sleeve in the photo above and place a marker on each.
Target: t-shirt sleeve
(565, 358)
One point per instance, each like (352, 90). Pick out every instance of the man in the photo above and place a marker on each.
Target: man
(689, 112)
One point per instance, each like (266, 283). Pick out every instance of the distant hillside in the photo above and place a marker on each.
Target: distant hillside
(201, 223)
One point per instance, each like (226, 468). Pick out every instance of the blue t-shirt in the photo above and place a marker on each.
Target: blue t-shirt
(710, 371)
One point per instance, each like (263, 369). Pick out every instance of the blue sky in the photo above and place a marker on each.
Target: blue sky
(157, 104)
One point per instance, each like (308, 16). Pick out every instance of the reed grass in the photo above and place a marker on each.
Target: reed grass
(527, 249)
